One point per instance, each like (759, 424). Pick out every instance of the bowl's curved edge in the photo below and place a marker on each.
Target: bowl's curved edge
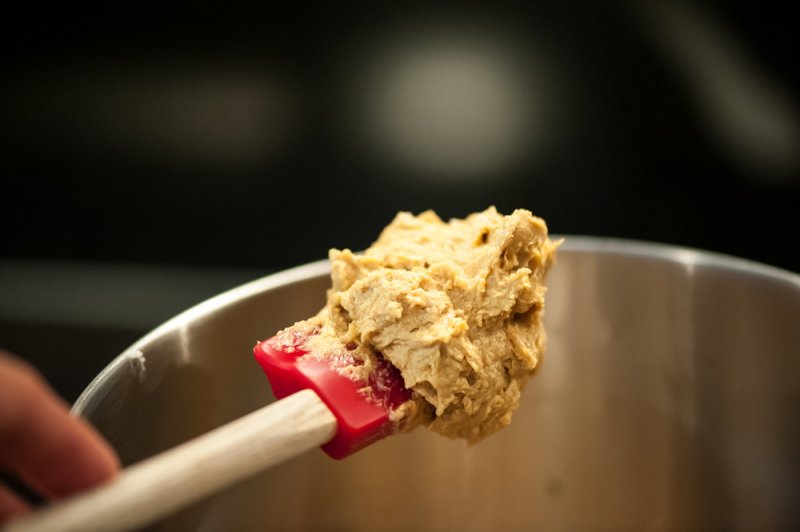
(674, 253)
(219, 301)
(572, 243)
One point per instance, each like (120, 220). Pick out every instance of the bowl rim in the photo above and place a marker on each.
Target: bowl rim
(686, 256)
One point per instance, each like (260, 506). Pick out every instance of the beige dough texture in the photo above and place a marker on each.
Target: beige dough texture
(455, 306)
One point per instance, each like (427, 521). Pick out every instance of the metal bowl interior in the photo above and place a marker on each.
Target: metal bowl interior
(667, 400)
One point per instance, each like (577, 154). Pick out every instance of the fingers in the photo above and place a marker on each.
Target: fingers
(53, 452)
(11, 505)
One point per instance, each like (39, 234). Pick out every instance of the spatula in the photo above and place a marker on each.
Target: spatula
(362, 409)
(318, 406)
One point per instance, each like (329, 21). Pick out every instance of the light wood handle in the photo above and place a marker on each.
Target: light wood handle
(171, 480)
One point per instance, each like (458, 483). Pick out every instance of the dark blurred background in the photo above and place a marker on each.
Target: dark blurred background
(155, 155)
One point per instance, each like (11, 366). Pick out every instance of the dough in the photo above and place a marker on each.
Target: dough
(456, 307)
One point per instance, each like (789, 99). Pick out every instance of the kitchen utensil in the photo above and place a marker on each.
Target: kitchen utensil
(318, 406)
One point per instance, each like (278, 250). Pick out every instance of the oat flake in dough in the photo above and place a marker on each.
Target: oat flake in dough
(456, 307)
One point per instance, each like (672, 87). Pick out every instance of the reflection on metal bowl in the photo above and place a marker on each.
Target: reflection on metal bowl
(667, 400)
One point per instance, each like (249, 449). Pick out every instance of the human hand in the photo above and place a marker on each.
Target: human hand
(53, 452)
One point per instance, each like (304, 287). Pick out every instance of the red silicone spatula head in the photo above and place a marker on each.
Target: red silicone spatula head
(361, 408)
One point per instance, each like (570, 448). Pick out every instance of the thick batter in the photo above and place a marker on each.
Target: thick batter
(456, 307)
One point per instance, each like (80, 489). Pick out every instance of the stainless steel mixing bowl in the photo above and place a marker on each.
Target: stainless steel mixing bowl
(668, 400)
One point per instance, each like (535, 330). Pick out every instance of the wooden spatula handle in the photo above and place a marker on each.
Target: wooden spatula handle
(180, 476)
